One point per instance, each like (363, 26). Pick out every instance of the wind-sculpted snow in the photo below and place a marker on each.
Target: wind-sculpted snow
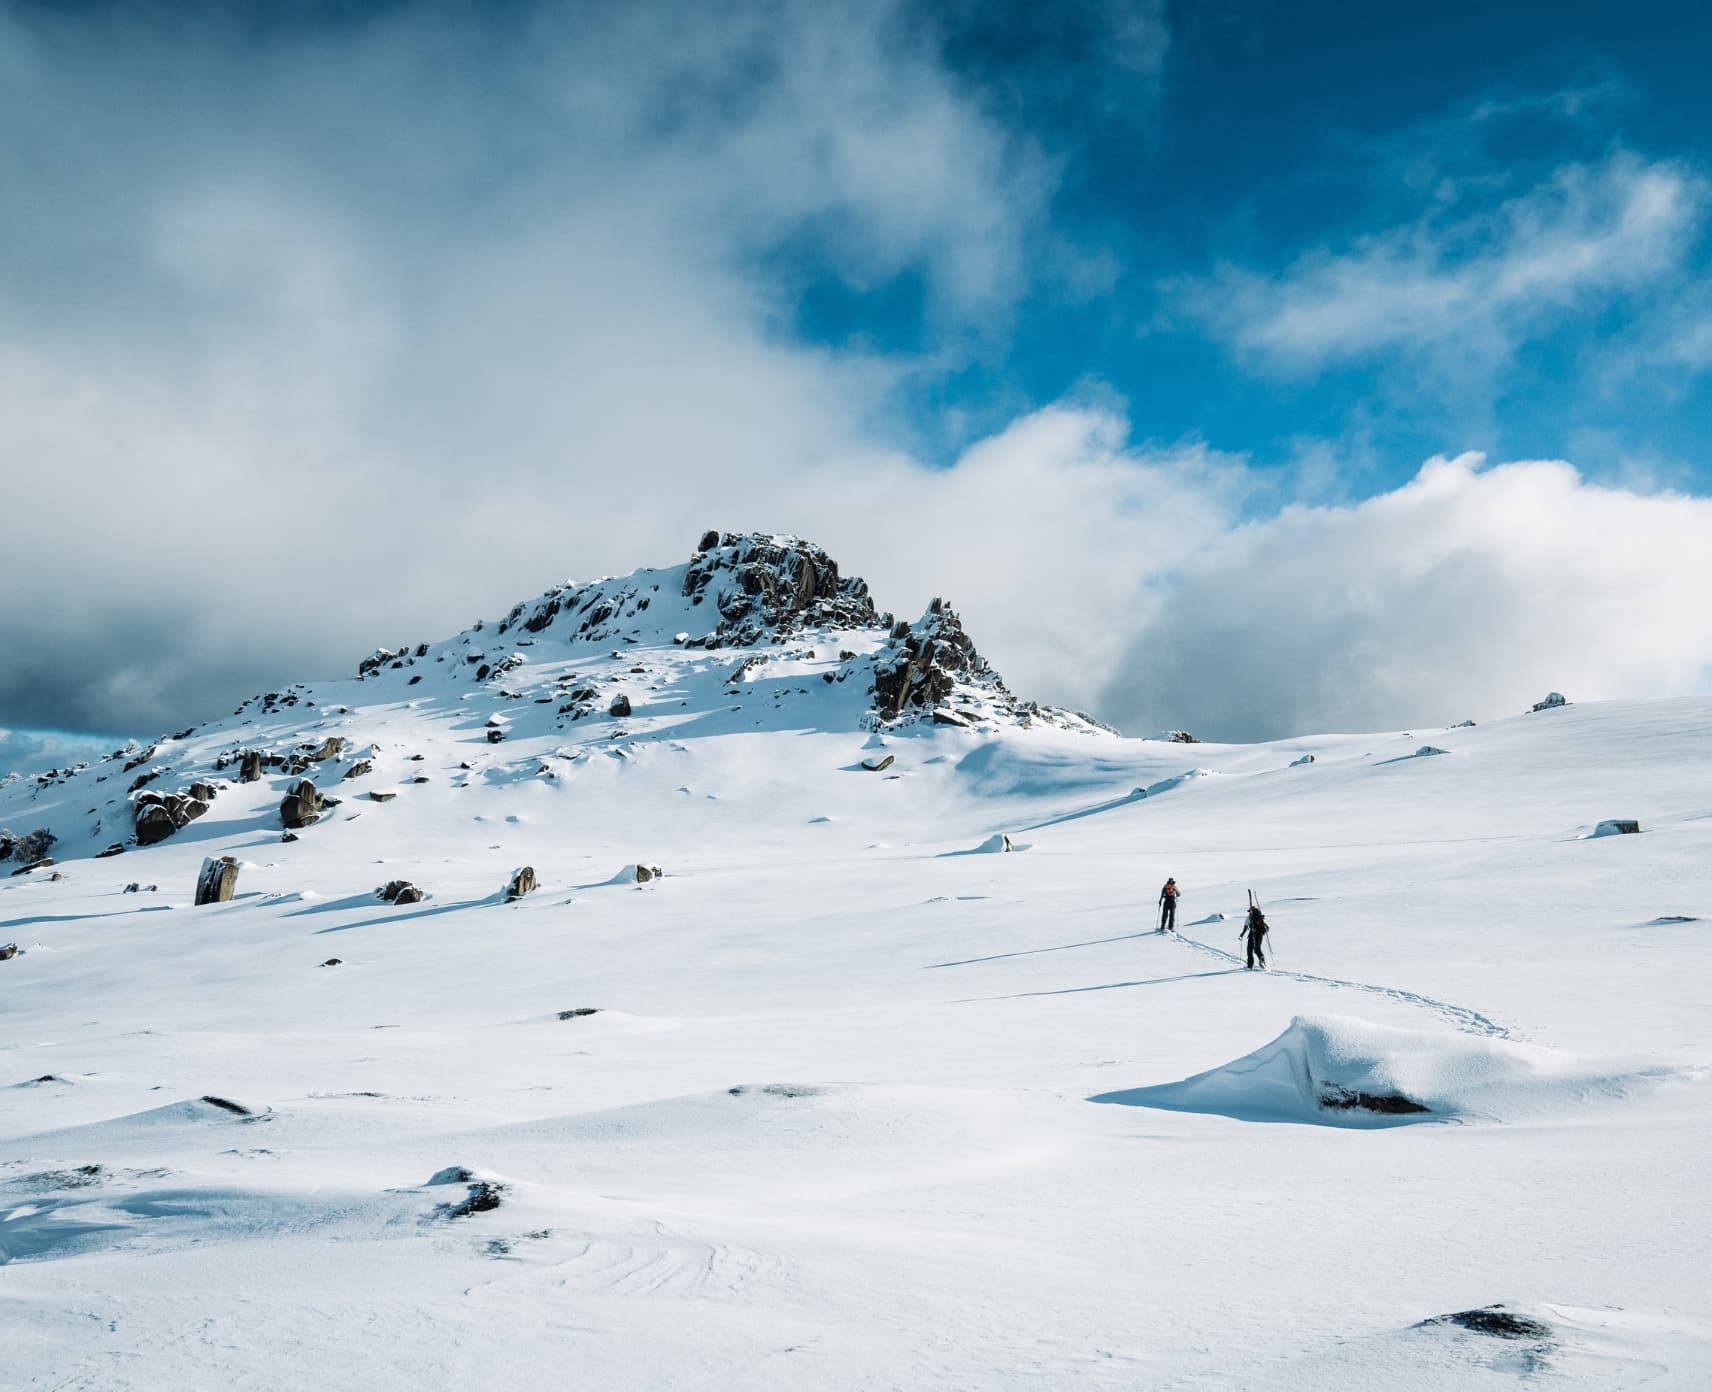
(1336, 1070)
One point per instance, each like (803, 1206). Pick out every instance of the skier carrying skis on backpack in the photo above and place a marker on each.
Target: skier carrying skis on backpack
(1168, 907)
(1254, 930)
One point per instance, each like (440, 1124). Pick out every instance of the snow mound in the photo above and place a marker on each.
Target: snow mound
(1333, 1070)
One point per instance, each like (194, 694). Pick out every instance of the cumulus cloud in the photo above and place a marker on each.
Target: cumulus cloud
(1468, 592)
(317, 337)
(1469, 282)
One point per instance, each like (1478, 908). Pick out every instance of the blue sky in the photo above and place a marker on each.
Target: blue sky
(1135, 328)
(1271, 147)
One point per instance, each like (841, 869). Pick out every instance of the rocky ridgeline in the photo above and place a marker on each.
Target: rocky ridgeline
(930, 670)
(766, 588)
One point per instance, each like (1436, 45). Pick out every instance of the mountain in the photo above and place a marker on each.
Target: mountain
(752, 633)
(805, 1025)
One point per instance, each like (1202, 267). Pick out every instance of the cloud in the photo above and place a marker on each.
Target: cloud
(1469, 282)
(1469, 592)
(32, 751)
(315, 337)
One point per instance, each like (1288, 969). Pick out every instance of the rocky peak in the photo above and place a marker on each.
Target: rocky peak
(768, 586)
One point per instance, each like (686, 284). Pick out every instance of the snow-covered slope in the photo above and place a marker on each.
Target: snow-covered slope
(830, 1102)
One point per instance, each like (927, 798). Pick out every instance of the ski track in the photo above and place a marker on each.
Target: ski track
(1463, 1017)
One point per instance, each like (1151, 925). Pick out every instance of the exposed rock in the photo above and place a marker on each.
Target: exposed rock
(579, 1012)
(483, 1197)
(289, 836)
(400, 892)
(1553, 700)
(522, 882)
(1180, 737)
(644, 873)
(154, 824)
(878, 765)
(334, 962)
(218, 881)
(250, 766)
(225, 1104)
(1305, 759)
(925, 663)
(8, 952)
(357, 770)
(1496, 1321)
(117, 848)
(620, 706)
(709, 540)
(1390, 1104)
(495, 735)
(381, 797)
(301, 807)
(1617, 826)
(202, 792)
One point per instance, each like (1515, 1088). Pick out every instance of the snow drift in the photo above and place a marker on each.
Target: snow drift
(1334, 1070)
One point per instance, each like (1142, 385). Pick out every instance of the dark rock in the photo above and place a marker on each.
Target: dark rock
(8, 952)
(709, 540)
(877, 765)
(334, 962)
(522, 882)
(483, 1197)
(1553, 700)
(620, 706)
(495, 736)
(202, 792)
(579, 1012)
(154, 824)
(55, 876)
(1181, 737)
(117, 848)
(289, 836)
(1389, 1103)
(301, 807)
(645, 873)
(381, 797)
(250, 766)
(218, 881)
(227, 1105)
(1496, 1321)
(357, 770)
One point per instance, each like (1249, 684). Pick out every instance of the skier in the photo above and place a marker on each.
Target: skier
(1254, 930)
(1168, 907)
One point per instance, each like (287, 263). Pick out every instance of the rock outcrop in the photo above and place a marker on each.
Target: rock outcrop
(301, 807)
(522, 882)
(218, 880)
(159, 815)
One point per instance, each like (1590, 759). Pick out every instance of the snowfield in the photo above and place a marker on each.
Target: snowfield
(834, 1103)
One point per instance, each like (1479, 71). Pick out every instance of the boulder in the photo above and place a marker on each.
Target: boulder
(400, 892)
(620, 706)
(644, 873)
(522, 882)
(357, 770)
(250, 766)
(218, 881)
(495, 735)
(329, 748)
(117, 848)
(1553, 700)
(202, 792)
(301, 807)
(877, 765)
(154, 824)
(334, 962)
(381, 797)
(8, 952)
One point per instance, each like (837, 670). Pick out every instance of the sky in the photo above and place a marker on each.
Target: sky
(1247, 368)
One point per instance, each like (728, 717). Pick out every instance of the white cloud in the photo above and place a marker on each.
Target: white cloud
(317, 343)
(1471, 283)
(1468, 592)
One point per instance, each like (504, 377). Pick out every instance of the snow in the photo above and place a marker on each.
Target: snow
(841, 1116)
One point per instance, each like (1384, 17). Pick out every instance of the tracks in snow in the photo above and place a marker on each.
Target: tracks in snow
(1468, 1020)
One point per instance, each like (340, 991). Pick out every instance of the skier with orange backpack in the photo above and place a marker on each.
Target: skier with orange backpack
(1168, 907)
